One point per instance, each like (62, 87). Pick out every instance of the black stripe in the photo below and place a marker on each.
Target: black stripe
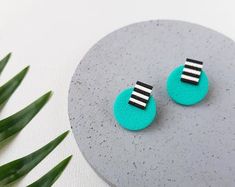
(136, 105)
(194, 61)
(139, 98)
(144, 85)
(191, 67)
(141, 91)
(191, 74)
(189, 81)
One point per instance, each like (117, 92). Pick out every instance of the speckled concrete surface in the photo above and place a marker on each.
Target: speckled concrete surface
(185, 146)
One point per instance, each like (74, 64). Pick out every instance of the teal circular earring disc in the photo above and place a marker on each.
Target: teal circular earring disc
(185, 93)
(131, 117)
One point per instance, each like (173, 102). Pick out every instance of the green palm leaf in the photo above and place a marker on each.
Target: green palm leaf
(49, 178)
(13, 124)
(8, 88)
(4, 61)
(20, 167)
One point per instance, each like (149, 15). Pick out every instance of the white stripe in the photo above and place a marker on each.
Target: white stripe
(140, 95)
(138, 102)
(190, 78)
(192, 71)
(143, 88)
(194, 64)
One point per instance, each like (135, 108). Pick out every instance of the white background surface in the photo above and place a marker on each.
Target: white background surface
(52, 36)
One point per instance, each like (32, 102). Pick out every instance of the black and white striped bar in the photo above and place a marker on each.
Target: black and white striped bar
(192, 71)
(140, 95)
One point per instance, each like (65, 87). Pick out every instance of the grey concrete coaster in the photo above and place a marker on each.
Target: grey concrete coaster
(185, 146)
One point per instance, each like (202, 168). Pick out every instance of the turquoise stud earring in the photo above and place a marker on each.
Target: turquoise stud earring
(188, 84)
(135, 108)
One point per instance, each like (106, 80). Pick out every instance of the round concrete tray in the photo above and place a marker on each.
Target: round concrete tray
(185, 146)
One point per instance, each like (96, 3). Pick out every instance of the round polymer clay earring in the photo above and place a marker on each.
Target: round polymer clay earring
(188, 84)
(135, 108)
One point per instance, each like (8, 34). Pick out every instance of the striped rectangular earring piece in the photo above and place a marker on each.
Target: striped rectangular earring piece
(192, 71)
(140, 95)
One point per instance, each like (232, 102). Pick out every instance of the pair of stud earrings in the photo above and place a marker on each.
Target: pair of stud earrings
(135, 108)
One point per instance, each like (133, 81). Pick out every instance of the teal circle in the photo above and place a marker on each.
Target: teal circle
(185, 93)
(131, 117)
